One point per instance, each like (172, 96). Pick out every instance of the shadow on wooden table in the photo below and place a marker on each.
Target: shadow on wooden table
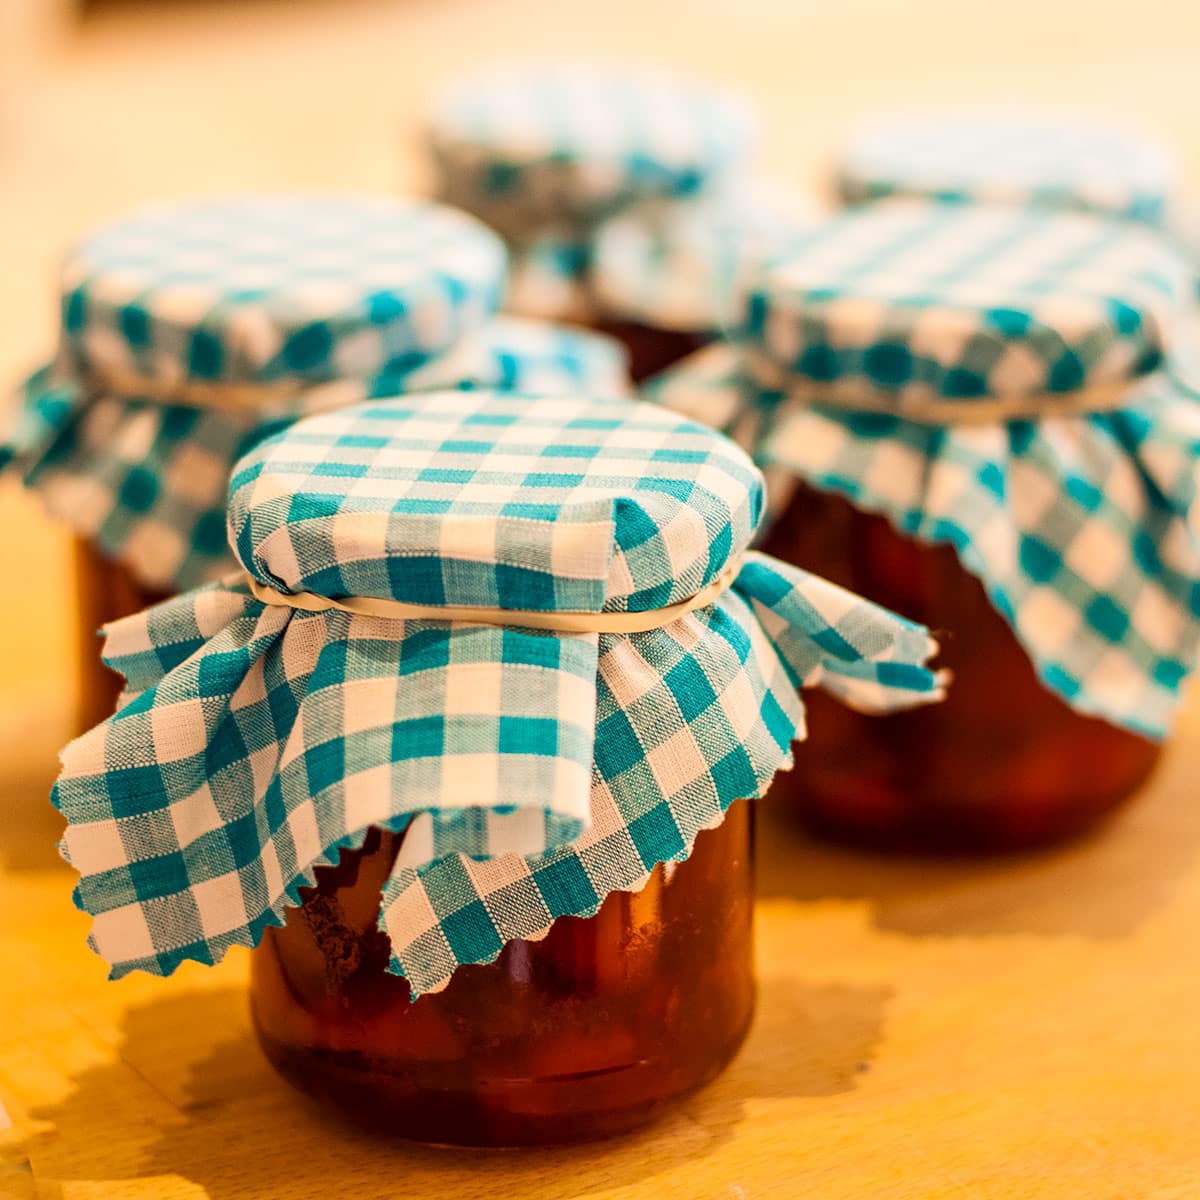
(191, 1097)
(1102, 886)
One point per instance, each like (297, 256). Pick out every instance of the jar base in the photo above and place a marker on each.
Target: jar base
(833, 795)
(493, 1113)
(947, 831)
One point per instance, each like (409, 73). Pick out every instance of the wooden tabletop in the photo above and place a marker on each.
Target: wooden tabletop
(1009, 1029)
(986, 1031)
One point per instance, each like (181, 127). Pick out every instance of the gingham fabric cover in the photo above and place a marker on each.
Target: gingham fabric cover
(527, 146)
(684, 264)
(524, 354)
(913, 302)
(1047, 158)
(1084, 530)
(535, 772)
(147, 482)
(278, 289)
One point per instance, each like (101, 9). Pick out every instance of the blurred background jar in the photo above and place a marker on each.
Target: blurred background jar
(545, 153)
(667, 275)
(189, 333)
(1010, 763)
(971, 405)
(1046, 158)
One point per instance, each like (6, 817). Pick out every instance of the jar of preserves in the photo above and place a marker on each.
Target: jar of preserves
(667, 275)
(1045, 158)
(972, 412)
(546, 154)
(467, 754)
(190, 333)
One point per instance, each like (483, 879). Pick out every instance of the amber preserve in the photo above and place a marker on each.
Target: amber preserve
(589, 1032)
(1003, 763)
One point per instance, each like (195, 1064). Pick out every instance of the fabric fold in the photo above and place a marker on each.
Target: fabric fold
(872, 660)
(613, 753)
(732, 677)
(1082, 529)
(251, 754)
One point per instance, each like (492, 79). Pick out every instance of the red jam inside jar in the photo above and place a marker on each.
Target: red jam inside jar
(106, 591)
(652, 349)
(1001, 764)
(591, 1031)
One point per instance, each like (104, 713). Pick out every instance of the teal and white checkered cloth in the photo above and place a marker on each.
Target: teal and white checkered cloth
(146, 481)
(911, 303)
(1084, 530)
(533, 772)
(683, 264)
(279, 289)
(309, 301)
(1049, 159)
(527, 147)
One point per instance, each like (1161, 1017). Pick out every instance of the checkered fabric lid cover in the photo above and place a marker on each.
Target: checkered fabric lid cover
(1045, 158)
(527, 145)
(522, 354)
(486, 500)
(147, 482)
(910, 301)
(278, 289)
(683, 264)
(532, 772)
(1085, 530)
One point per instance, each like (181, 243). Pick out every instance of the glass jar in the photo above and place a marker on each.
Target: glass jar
(1001, 764)
(549, 155)
(591, 1031)
(105, 591)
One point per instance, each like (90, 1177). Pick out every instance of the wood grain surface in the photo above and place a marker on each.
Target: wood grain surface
(926, 1030)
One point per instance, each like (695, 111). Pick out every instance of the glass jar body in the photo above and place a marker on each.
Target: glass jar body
(105, 591)
(1002, 763)
(589, 1032)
